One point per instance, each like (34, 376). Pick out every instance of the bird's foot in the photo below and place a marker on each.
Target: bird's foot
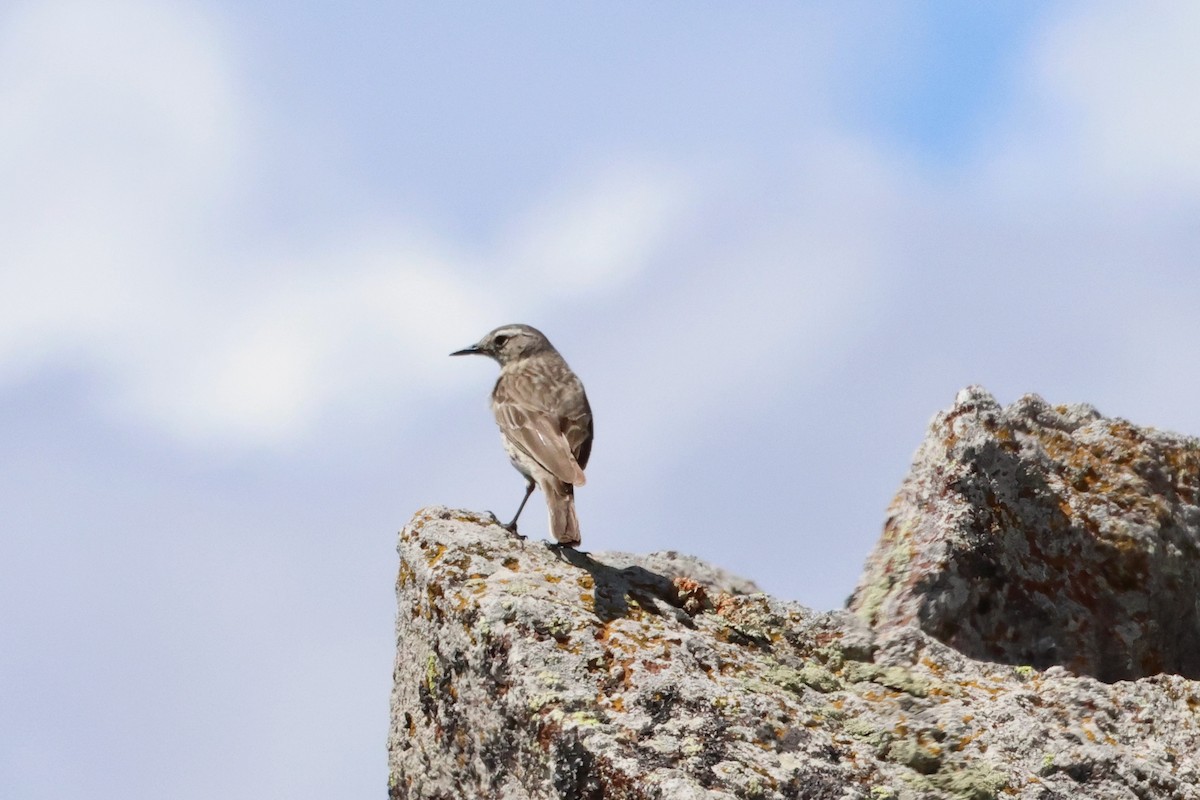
(510, 527)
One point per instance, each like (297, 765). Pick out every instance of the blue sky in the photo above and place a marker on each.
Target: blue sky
(237, 241)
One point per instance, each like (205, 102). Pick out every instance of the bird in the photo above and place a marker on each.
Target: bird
(545, 421)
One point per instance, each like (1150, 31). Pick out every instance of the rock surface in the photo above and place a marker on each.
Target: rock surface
(524, 673)
(1044, 535)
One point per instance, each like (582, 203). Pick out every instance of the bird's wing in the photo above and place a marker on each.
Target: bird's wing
(536, 432)
(579, 430)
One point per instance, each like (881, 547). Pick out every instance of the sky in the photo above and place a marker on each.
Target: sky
(238, 241)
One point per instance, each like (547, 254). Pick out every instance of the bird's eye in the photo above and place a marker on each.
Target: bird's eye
(500, 340)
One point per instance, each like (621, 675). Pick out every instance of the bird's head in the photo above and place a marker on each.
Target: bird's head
(509, 343)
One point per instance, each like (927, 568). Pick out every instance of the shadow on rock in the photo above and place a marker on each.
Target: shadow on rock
(628, 591)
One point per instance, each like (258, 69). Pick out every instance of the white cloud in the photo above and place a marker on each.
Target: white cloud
(775, 295)
(120, 121)
(1129, 72)
(1109, 104)
(1088, 198)
(131, 138)
(592, 237)
(260, 362)
(375, 313)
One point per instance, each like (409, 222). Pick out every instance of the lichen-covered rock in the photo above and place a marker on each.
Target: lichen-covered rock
(1045, 535)
(525, 673)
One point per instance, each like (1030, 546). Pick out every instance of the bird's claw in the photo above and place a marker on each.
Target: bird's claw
(510, 527)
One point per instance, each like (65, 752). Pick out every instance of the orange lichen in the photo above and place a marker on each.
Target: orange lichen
(439, 550)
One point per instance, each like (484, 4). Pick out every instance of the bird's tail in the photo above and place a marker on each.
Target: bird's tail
(564, 525)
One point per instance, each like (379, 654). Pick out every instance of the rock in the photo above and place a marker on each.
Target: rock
(1044, 535)
(525, 673)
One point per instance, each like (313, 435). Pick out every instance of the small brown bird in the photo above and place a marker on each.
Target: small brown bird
(544, 418)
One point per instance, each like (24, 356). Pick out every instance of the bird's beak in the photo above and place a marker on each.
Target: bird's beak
(472, 350)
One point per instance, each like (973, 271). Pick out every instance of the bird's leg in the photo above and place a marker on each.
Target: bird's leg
(512, 526)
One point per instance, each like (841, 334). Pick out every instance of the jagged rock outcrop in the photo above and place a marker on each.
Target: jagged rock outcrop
(525, 673)
(1041, 535)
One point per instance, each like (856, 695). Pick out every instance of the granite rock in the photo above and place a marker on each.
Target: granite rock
(1043, 535)
(522, 672)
